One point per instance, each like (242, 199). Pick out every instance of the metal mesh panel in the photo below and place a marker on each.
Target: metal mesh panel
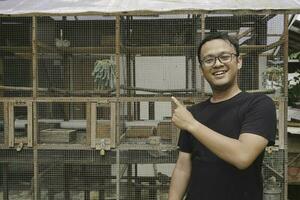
(96, 140)
(15, 62)
(146, 174)
(147, 123)
(158, 55)
(293, 172)
(21, 123)
(259, 37)
(273, 174)
(62, 123)
(16, 174)
(1, 123)
(75, 174)
(70, 49)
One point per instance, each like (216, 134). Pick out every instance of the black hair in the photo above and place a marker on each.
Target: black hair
(222, 36)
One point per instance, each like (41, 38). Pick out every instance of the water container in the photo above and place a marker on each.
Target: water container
(272, 194)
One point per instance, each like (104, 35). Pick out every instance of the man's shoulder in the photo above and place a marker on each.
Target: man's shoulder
(256, 97)
(256, 101)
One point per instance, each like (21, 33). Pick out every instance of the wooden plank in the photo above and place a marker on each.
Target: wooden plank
(285, 107)
(36, 187)
(93, 123)
(6, 122)
(35, 124)
(113, 125)
(118, 127)
(11, 126)
(34, 59)
(281, 124)
(118, 49)
(140, 131)
(29, 124)
(88, 123)
(58, 136)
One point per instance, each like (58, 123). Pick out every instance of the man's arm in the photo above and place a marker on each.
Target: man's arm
(239, 152)
(180, 176)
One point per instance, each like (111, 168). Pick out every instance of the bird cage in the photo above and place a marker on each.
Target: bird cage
(86, 97)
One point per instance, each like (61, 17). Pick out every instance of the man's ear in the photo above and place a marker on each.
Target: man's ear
(201, 70)
(240, 62)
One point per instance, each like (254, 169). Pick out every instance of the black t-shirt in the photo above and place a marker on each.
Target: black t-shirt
(212, 178)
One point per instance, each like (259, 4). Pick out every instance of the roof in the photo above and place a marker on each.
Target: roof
(294, 34)
(56, 7)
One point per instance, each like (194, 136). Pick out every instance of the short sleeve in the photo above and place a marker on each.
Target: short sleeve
(260, 118)
(185, 142)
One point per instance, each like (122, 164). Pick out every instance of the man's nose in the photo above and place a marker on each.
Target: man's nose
(218, 63)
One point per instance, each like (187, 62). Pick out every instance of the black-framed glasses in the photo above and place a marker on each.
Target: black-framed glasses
(224, 58)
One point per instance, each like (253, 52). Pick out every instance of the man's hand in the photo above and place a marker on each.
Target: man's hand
(182, 118)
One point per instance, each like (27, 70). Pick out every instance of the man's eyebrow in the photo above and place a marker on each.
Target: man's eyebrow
(213, 55)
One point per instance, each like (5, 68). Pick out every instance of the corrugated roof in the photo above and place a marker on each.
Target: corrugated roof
(294, 34)
(31, 7)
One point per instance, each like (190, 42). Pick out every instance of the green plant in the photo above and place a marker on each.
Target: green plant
(294, 89)
(294, 83)
(273, 77)
(295, 55)
(104, 74)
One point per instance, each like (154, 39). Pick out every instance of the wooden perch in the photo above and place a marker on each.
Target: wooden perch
(109, 91)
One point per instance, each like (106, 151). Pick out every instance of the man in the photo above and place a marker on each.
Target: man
(222, 140)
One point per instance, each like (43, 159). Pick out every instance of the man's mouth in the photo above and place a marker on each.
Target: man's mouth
(219, 73)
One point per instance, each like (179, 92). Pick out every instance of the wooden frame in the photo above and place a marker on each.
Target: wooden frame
(91, 102)
(11, 123)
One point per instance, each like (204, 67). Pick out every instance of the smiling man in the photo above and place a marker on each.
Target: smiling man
(222, 140)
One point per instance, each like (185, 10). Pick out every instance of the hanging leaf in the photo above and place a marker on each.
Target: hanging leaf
(104, 74)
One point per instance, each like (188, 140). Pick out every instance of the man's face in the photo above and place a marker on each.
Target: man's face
(220, 76)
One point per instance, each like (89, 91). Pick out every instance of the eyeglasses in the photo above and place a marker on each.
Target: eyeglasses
(224, 58)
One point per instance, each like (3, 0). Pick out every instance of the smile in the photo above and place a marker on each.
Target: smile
(219, 73)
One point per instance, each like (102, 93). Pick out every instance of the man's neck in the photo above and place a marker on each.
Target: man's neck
(224, 95)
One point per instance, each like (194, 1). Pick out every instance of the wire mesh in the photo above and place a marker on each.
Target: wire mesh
(75, 174)
(293, 171)
(147, 123)
(158, 55)
(76, 60)
(20, 124)
(16, 174)
(1, 123)
(15, 59)
(146, 174)
(62, 123)
(71, 49)
(273, 174)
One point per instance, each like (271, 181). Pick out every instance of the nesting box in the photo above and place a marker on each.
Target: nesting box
(103, 129)
(58, 136)
(165, 129)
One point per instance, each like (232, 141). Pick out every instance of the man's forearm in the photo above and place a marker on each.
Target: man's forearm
(179, 182)
(235, 151)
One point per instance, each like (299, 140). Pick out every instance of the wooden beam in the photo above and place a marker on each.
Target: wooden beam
(6, 122)
(29, 124)
(93, 124)
(11, 127)
(88, 123)
(281, 124)
(113, 131)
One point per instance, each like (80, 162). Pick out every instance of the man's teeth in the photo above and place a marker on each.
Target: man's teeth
(219, 73)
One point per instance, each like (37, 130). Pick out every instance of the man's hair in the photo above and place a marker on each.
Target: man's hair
(222, 36)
